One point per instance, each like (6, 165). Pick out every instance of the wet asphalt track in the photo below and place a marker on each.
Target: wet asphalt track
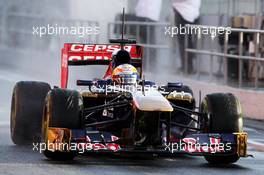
(23, 160)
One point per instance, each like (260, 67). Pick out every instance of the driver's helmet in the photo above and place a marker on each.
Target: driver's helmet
(125, 74)
(120, 57)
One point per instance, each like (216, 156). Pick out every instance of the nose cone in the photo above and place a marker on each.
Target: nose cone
(152, 100)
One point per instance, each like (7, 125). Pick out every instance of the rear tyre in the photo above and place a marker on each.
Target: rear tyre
(64, 112)
(26, 111)
(225, 117)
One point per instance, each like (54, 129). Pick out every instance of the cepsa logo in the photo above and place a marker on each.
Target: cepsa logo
(94, 51)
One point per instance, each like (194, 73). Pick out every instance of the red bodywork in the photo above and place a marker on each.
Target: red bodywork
(92, 54)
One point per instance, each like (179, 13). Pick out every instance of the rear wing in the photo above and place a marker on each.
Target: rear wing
(94, 54)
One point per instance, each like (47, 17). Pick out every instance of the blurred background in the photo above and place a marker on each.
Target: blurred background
(224, 63)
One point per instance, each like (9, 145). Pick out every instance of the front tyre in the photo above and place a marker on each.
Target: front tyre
(62, 110)
(225, 116)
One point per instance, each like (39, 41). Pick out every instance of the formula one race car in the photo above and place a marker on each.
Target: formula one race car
(123, 112)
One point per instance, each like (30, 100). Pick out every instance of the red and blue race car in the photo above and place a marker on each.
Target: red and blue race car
(124, 113)
(112, 116)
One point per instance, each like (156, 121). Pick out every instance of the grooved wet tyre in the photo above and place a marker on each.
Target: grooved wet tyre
(225, 117)
(64, 112)
(65, 109)
(26, 111)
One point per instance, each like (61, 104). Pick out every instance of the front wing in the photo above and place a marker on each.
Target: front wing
(82, 141)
